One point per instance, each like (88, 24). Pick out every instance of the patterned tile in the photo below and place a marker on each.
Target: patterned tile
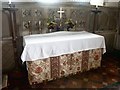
(105, 83)
(94, 87)
(62, 86)
(114, 80)
(104, 73)
(112, 71)
(85, 79)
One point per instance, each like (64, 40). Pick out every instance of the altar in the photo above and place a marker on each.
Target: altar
(54, 55)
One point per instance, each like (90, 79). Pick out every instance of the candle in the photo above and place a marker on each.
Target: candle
(9, 1)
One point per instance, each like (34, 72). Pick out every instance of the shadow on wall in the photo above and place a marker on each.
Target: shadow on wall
(117, 42)
(110, 39)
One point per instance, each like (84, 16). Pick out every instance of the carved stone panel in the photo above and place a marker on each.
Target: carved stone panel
(32, 20)
(26, 13)
(79, 17)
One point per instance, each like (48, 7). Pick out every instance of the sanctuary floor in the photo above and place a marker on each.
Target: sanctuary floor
(107, 74)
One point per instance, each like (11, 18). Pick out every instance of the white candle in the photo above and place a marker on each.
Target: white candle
(9, 1)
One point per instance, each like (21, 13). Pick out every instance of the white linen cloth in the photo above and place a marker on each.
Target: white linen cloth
(40, 46)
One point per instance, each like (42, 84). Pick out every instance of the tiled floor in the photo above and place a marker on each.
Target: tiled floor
(107, 74)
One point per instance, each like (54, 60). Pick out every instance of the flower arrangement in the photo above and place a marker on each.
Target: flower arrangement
(70, 24)
(51, 24)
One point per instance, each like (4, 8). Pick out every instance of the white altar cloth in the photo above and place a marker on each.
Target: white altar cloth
(41, 46)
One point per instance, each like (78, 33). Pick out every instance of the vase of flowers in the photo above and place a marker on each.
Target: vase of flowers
(51, 25)
(69, 24)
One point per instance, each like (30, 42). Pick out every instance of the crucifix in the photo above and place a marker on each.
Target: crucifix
(61, 12)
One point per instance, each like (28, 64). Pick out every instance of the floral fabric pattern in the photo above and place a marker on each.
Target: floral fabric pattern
(64, 65)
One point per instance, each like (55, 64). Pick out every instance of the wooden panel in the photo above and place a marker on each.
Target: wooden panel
(8, 61)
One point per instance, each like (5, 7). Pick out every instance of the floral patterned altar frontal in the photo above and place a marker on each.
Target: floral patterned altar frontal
(42, 46)
(56, 67)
